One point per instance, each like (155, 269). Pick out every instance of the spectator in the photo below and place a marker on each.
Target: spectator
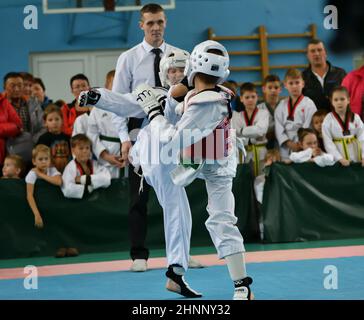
(317, 120)
(292, 113)
(70, 111)
(109, 79)
(10, 125)
(271, 91)
(38, 91)
(320, 77)
(105, 139)
(310, 149)
(31, 115)
(354, 82)
(13, 167)
(251, 125)
(54, 138)
(82, 175)
(28, 80)
(42, 169)
(342, 130)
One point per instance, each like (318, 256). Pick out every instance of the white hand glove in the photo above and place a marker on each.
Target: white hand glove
(160, 94)
(147, 100)
(89, 98)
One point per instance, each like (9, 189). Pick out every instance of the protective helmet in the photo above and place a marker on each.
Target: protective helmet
(208, 63)
(174, 59)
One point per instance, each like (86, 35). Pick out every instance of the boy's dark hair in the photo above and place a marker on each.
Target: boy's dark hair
(303, 132)
(247, 86)
(79, 76)
(40, 82)
(271, 78)
(150, 8)
(320, 113)
(51, 108)
(27, 76)
(60, 103)
(11, 75)
(80, 138)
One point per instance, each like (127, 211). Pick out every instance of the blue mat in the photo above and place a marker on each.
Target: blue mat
(292, 280)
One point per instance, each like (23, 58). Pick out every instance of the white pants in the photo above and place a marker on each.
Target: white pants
(221, 223)
(173, 200)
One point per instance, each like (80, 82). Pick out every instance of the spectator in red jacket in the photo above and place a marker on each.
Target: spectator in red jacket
(354, 82)
(71, 111)
(10, 125)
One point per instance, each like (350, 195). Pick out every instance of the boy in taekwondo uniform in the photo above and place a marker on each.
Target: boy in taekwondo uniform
(292, 113)
(218, 175)
(251, 126)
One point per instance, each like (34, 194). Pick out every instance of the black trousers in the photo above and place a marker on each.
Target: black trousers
(138, 218)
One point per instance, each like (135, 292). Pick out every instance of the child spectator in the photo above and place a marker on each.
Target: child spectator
(41, 157)
(271, 91)
(109, 79)
(80, 125)
(342, 130)
(28, 81)
(54, 138)
(38, 91)
(310, 149)
(251, 125)
(78, 83)
(271, 156)
(292, 113)
(13, 167)
(83, 175)
(317, 120)
(105, 138)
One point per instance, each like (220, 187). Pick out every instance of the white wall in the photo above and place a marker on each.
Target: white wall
(56, 69)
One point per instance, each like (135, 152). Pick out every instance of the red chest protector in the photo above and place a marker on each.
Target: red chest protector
(216, 145)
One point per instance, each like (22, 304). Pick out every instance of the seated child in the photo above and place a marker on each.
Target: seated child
(13, 167)
(251, 126)
(342, 130)
(310, 150)
(82, 174)
(317, 120)
(54, 138)
(41, 158)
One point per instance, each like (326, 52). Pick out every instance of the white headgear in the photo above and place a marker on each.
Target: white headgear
(174, 59)
(208, 63)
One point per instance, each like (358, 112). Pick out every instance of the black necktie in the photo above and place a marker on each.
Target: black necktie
(157, 59)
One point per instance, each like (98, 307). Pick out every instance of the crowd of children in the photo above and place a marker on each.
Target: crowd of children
(80, 150)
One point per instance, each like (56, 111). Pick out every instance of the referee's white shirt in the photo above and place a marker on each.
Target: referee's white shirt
(134, 67)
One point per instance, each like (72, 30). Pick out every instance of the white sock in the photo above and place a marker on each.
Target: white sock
(236, 266)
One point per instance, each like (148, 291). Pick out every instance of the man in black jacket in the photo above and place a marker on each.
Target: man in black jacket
(320, 77)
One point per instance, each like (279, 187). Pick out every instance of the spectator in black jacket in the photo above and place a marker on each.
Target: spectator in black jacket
(320, 77)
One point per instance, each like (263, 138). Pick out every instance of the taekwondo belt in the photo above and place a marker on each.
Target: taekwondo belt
(344, 142)
(110, 139)
(256, 148)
